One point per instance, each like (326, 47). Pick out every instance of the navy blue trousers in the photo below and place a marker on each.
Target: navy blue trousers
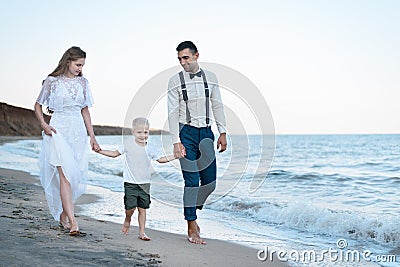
(199, 168)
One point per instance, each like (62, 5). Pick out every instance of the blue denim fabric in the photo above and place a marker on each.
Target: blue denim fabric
(198, 168)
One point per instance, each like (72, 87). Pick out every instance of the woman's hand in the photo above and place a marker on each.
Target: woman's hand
(93, 143)
(47, 129)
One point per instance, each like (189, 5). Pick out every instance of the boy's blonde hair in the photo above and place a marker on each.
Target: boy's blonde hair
(140, 121)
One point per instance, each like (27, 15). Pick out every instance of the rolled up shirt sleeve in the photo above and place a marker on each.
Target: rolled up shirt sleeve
(173, 110)
(218, 108)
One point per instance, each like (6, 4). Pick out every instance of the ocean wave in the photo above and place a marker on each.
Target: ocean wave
(279, 173)
(108, 170)
(25, 148)
(308, 176)
(317, 220)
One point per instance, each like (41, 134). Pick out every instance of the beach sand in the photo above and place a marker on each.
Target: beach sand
(29, 236)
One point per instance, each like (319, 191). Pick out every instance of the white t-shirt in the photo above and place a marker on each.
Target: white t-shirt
(137, 166)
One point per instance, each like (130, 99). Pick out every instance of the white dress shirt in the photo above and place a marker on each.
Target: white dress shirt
(196, 103)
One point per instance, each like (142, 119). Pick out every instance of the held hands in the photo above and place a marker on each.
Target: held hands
(221, 143)
(179, 151)
(94, 145)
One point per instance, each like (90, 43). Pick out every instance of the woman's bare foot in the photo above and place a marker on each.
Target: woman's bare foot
(74, 229)
(193, 233)
(64, 221)
(126, 226)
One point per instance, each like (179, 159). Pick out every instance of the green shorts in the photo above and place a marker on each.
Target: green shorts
(136, 195)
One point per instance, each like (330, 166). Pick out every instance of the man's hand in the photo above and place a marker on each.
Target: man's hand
(221, 143)
(179, 151)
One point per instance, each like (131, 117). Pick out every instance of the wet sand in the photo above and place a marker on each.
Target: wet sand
(30, 236)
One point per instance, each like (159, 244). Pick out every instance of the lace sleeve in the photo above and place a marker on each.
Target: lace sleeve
(87, 94)
(43, 98)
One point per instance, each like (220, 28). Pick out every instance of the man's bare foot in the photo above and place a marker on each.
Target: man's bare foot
(193, 233)
(198, 227)
(126, 226)
(196, 239)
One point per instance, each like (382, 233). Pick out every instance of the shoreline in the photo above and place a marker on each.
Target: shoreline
(105, 207)
(9, 139)
(26, 222)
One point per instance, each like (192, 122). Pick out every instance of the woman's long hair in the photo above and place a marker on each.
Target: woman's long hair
(72, 54)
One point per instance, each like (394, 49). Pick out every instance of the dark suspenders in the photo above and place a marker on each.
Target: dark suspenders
(185, 97)
(207, 93)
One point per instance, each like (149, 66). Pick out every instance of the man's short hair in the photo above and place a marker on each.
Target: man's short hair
(187, 44)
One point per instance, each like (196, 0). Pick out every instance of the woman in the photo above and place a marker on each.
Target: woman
(63, 159)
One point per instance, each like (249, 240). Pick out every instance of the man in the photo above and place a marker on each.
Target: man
(191, 94)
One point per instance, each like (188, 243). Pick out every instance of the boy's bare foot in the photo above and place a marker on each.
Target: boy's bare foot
(126, 226)
(193, 233)
(144, 237)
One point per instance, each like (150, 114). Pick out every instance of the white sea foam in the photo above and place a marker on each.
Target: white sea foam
(318, 220)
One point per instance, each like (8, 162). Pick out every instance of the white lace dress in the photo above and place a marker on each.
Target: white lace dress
(68, 148)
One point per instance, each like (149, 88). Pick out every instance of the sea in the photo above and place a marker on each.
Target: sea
(318, 200)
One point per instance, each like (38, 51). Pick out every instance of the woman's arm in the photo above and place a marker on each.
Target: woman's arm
(88, 123)
(39, 115)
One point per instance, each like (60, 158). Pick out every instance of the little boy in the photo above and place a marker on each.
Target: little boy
(137, 173)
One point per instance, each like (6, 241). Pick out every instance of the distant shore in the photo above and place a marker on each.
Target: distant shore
(17, 121)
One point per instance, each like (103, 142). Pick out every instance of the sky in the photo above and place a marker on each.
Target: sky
(323, 67)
